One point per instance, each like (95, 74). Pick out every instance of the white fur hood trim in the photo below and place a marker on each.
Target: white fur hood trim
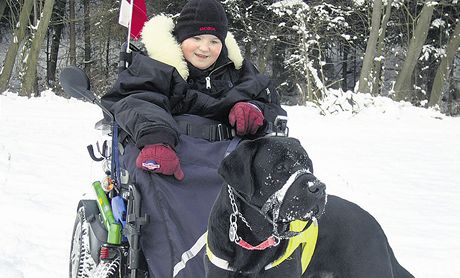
(162, 46)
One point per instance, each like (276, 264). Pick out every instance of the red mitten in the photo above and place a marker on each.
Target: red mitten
(247, 117)
(160, 158)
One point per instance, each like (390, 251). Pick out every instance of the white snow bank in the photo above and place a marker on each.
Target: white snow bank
(399, 162)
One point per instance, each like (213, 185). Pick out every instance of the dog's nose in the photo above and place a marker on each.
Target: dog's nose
(316, 186)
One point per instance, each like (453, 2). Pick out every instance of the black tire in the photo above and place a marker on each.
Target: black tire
(82, 264)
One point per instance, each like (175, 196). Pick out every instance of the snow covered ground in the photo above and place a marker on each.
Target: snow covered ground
(400, 163)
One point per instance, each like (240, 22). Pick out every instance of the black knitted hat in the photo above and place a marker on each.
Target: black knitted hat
(200, 17)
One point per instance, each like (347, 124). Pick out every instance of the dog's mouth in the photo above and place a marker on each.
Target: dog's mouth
(313, 213)
(283, 226)
(308, 216)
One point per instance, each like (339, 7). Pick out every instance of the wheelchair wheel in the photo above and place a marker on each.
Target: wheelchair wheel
(82, 263)
(108, 269)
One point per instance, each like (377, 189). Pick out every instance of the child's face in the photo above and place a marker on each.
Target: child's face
(202, 51)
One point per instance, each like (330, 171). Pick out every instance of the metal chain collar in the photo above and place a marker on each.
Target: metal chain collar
(273, 240)
(276, 205)
(232, 233)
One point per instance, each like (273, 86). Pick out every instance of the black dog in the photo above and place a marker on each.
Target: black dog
(271, 186)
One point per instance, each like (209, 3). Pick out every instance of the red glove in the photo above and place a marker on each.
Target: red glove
(247, 116)
(160, 158)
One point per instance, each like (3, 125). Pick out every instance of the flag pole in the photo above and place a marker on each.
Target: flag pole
(128, 49)
(128, 10)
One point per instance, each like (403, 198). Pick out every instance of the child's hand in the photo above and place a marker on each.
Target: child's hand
(247, 117)
(160, 158)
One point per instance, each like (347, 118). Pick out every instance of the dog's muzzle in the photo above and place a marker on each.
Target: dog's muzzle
(273, 205)
(275, 201)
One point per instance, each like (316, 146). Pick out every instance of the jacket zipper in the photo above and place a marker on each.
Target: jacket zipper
(208, 78)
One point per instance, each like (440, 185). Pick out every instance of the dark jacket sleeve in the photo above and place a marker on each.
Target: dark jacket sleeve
(250, 86)
(267, 99)
(141, 101)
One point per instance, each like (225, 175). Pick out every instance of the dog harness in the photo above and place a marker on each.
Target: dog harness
(306, 239)
(273, 203)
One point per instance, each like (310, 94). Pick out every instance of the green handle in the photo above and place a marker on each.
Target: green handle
(113, 228)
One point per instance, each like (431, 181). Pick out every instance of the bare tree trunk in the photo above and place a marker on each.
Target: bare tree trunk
(279, 73)
(18, 37)
(3, 5)
(355, 66)
(262, 57)
(107, 58)
(345, 51)
(403, 85)
(2, 8)
(72, 34)
(248, 50)
(445, 67)
(87, 35)
(58, 25)
(365, 78)
(30, 76)
(377, 70)
(308, 94)
(320, 83)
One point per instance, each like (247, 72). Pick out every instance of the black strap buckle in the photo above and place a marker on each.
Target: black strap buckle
(212, 132)
(220, 131)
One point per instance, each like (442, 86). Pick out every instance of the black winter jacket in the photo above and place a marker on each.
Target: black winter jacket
(149, 93)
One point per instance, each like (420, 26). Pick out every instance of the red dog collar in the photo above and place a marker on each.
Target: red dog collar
(269, 242)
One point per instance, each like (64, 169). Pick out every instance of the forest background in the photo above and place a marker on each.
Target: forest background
(403, 49)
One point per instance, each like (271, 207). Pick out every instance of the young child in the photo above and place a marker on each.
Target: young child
(195, 67)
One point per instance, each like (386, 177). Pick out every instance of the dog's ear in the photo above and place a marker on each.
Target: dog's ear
(236, 168)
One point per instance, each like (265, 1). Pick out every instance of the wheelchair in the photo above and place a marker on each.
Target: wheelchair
(106, 230)
(106, 234)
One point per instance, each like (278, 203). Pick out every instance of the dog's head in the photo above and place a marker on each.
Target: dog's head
(275, 174)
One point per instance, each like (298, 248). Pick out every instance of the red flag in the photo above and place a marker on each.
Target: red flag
(138, 19)
(134, 16)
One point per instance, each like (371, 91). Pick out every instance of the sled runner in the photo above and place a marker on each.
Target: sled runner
(143, 224)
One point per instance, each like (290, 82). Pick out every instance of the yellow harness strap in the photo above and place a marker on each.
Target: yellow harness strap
(306, 238)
